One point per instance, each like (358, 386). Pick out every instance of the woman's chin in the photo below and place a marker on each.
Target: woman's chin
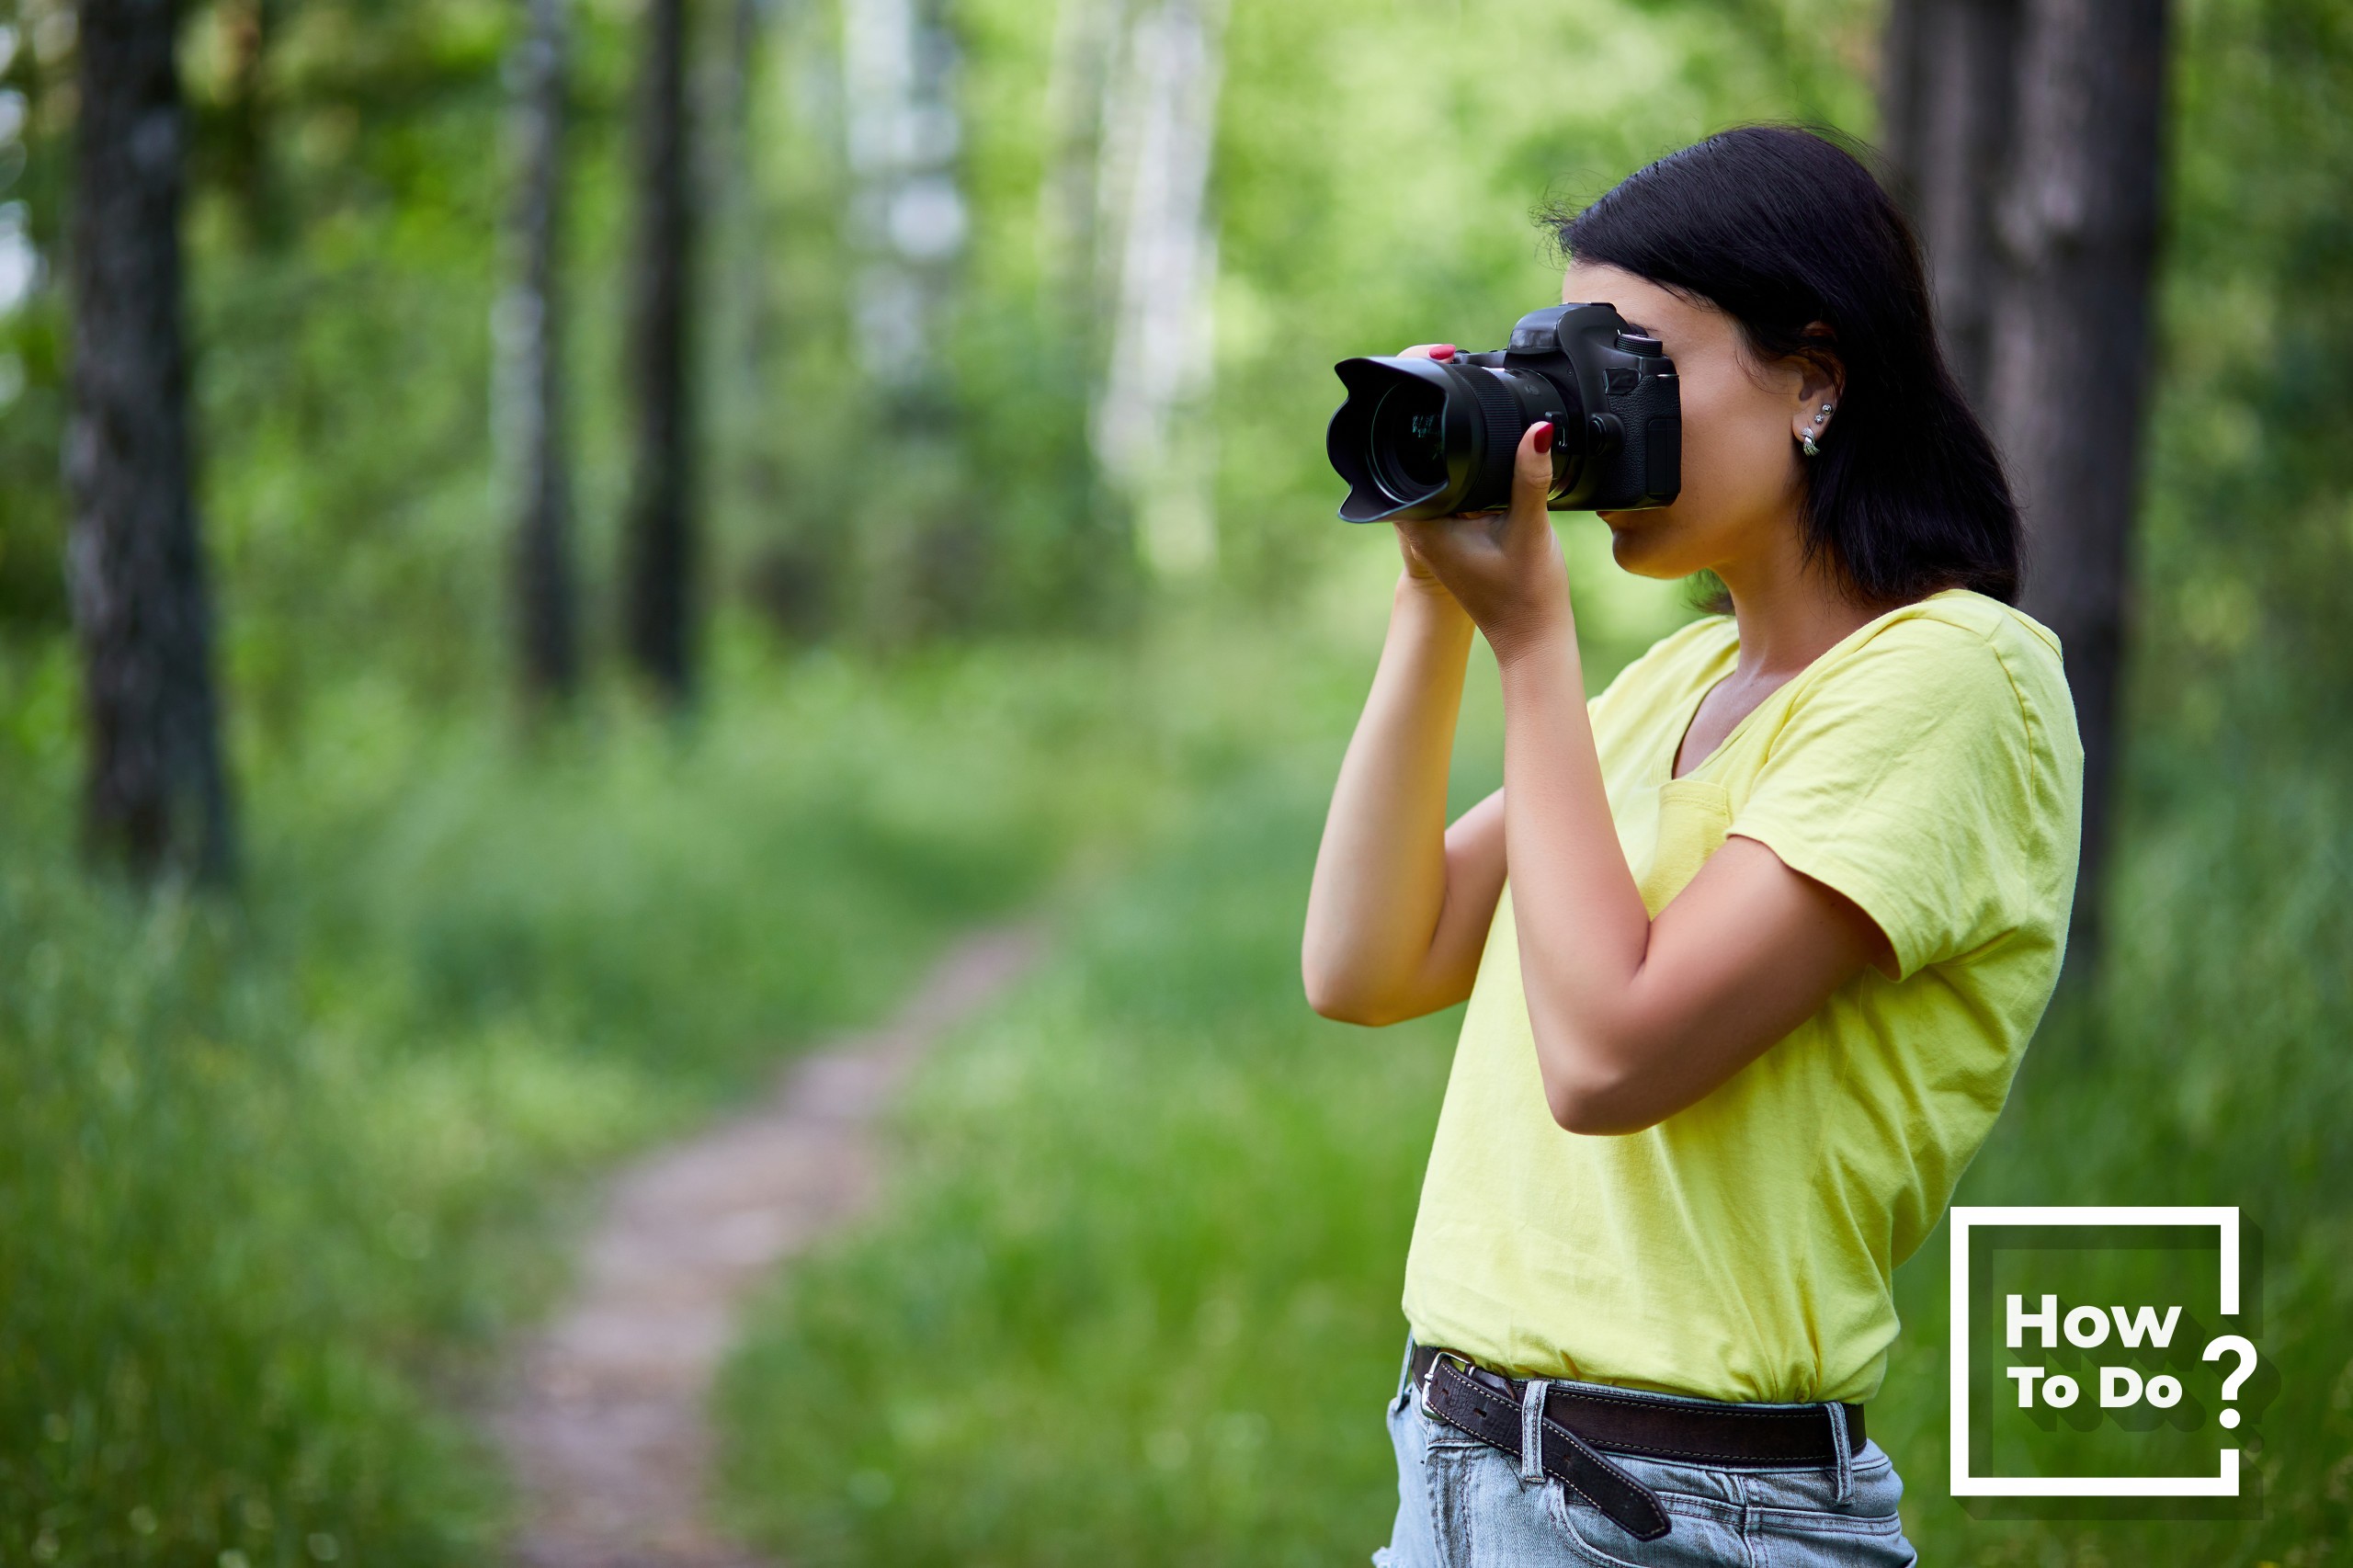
(1638, 546)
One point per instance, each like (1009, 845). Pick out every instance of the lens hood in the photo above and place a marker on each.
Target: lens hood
(1417, 437)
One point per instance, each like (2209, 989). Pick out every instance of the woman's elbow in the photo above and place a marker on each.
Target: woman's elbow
(1597, 1100)
(1599, 1115)
(1335, 997)
(1351, 1012)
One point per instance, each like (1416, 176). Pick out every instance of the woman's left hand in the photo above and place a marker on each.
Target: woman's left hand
(1504, 568)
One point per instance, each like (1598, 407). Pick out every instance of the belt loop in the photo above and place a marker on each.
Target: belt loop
(1531, 1428)
(1842, 1455)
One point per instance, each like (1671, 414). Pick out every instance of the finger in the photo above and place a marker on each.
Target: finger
(1425, 537)
(1531, 474)
(1429, 351)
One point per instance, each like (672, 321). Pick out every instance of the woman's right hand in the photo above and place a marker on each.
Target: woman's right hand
(1397, 915)
(1417, 571)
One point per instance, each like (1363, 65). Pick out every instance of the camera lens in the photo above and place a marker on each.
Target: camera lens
(1407, 434)
(1417, 438)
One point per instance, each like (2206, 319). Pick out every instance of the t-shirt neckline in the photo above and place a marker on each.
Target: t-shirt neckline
(1732, 649)
(1682, 732)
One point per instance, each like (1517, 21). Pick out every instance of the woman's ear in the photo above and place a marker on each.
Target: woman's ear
(1821, 381)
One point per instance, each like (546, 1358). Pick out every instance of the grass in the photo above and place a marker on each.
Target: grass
(1135, 1298)
(277, 1173)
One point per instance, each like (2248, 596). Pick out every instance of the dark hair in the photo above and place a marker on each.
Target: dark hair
(1781, 228)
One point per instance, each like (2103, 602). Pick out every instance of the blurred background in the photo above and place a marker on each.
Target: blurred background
(553, 550)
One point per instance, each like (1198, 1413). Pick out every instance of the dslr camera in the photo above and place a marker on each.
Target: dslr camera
(1431, 437)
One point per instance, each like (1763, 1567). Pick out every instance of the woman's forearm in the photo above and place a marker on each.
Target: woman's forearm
(1380, 884)
(1635, 1018)
(1583, 928)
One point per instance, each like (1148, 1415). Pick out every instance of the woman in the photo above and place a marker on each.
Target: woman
(1784, 905)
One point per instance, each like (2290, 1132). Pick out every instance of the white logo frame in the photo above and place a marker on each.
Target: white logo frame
(1964, 1220)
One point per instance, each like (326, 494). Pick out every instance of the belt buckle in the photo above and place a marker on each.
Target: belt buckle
(1429, 1377)
(1471, 1373)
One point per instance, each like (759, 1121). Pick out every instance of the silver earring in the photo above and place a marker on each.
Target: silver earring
(1811, 449)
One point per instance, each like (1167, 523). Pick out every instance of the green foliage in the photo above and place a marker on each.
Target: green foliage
(1138, 1301)
(2248, 525)
(193, 1248)
(983, 1405)
(1377, 172)
(2208, 1068)
(1148, 1172)
(1135, 1298)
(276, 1176)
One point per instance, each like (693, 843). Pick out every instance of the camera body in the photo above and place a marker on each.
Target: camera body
(1432, 438)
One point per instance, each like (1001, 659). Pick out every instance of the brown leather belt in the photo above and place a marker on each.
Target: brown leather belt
(1579, 1421)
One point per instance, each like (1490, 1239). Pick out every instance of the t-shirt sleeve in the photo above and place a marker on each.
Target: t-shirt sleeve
(1909, 779)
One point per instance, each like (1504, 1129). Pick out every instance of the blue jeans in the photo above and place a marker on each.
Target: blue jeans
(1462, 1504)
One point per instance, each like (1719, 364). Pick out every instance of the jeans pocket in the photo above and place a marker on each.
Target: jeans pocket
(1799, 1521)
(1814, 1493)
(1698, 1534)
(1803, 1539)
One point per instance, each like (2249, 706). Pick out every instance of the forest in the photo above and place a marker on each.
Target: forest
(554, 553)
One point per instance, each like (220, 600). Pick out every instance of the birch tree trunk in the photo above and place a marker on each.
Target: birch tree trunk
(908, 216)
(542, 584)
(155, 795)
(660, 532)
(926, 558)
(1150, 433)
(1089, 37)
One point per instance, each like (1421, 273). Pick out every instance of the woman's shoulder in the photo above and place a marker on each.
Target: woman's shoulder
(1971, 632)
(1960, 651)
(2007, 630)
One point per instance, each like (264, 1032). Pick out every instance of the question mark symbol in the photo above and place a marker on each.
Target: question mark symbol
(2246, 1353)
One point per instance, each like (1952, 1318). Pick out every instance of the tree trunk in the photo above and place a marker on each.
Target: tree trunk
(156, 798)
(1149, 436)
(745, 404)
(546, 613)
(737, 195)
(2023, 135)
(1087, 36)
(908, 217)
(2078, 223)
(660, 527)
(927, 558)
(1947, 95)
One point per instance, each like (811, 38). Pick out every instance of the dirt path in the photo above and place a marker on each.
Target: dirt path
(604, 1426)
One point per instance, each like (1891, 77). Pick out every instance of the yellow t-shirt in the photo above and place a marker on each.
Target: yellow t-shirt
(1927, 766)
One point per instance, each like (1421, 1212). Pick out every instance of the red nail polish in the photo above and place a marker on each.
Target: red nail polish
(1443, 351)
(1542, 431)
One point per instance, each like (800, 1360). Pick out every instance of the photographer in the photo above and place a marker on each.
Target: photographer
(1784, 903)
